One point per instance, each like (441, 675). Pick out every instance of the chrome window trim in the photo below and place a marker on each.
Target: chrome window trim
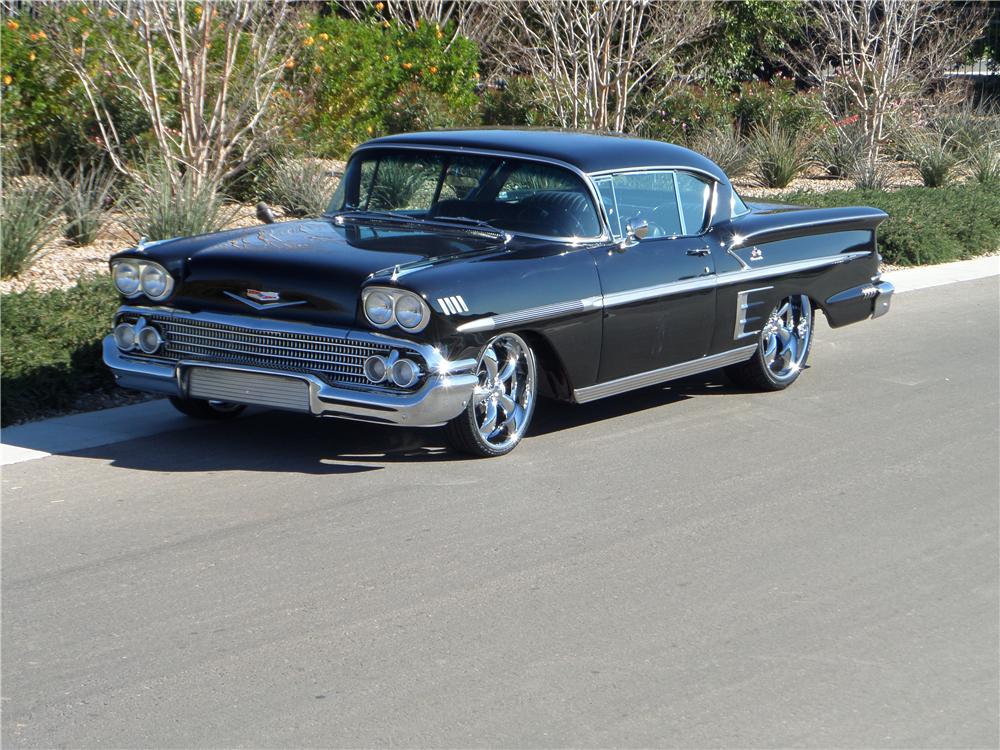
(663, 374)
(605, 235)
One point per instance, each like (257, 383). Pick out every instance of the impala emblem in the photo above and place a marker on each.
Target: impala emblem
(263, 296)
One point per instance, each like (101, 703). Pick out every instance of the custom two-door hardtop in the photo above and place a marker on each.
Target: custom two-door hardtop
(458, 275)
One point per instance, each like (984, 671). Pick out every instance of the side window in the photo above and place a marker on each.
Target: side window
(637, 196)
(606, 189)
(694, 194)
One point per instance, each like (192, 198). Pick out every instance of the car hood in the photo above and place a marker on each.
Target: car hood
(308, 270)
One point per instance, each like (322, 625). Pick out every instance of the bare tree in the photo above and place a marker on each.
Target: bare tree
(595, 57)
(220, 62)
(874, 56)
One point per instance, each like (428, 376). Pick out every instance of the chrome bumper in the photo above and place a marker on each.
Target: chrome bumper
(882, 299)
(441, 398)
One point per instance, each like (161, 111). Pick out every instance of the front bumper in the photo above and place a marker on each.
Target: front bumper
(442, 397)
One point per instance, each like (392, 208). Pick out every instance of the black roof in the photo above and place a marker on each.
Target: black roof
(587, 152)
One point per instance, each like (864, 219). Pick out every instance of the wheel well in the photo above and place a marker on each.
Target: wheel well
(553, 380)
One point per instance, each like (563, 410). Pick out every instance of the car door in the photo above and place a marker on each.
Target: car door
(659, 292)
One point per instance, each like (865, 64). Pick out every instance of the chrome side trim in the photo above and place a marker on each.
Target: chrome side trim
(673, 372)
(614, 299)
(791, 267)
(659, 290)
(531, 315)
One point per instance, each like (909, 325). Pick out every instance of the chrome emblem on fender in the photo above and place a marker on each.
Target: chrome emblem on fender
(263, 296)
(756, 254)
(452, 305)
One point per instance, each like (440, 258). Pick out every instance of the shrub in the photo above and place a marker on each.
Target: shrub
(724, 146)
(28, 217)
(778, 155)
(925, 226)
(50, 347)
(84, 195)
(512, 102)
(983, 161)
(841, 149)
(301, 187)
(934, 154)
(161, 210)
(352, 71)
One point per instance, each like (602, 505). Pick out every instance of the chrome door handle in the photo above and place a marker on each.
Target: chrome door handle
(701, 251)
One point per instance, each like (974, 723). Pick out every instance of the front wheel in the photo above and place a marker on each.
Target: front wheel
(202, 409)
(782, 348)
(502, 403)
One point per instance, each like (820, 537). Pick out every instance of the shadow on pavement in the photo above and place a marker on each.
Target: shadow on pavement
(283, 442)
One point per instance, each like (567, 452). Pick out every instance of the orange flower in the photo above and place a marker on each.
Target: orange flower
(290, 63)
(407, 66)
(72, 19)
(42, 35)
(7, 80)
(370, 130)
(379, 7)
(317, 69)
(12, 25)
(309, 41)
(385, 58)
(321, 48)
(33, 37)
(198, 10)
(31, 56)
(440, 34)
(78, 50)
(325, 37)
(433, 69)
(84, 10)
(386, 24)
(109, 13)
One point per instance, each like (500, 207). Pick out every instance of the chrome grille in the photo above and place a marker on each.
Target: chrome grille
(276, 391)
(336, 360)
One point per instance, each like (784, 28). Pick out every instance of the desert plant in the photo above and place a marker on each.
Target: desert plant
(84, 195)
(29, 213)
(778, 155)
(983, 161)
(300, 187)
(724, 146)
(158, 208)
(934, 154)
(870, 174)
(841, 149)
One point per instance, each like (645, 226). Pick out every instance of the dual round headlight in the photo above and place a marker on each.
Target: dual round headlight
(135, 277)
(385, 307)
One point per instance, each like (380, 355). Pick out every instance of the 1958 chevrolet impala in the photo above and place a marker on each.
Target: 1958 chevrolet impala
(459, 275)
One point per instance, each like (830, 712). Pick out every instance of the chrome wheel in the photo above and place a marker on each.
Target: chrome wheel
(784, 340)
(503, 401)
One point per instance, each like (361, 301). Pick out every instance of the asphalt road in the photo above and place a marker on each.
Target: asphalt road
(684, 566)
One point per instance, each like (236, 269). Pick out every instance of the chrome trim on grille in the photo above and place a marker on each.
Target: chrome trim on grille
(234, 386)
(673, 372)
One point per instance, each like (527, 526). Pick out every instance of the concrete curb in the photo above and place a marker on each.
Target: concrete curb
(81, 431)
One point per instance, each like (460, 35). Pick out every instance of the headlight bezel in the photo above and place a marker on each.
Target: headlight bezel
(142, 267)
(395, 295)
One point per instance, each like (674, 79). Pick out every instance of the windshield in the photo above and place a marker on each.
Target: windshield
(515, 195)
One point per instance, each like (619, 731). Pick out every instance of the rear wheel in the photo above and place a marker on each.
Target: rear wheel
(502, 403)
(782, 349)
(202, 409)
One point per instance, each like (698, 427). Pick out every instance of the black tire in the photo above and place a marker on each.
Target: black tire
(201, 409)
(478, 430)
(764, 371)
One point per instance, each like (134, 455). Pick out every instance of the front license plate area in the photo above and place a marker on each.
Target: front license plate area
(239, 387)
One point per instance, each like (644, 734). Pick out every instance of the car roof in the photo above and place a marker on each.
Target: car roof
(588, 152)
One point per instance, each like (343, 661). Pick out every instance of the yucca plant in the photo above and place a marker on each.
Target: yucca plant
(29, 215)
(842, 150)
(934, 155)
(778, 155)
(161, 209)
(300, 187)
(724, 145)
(983, 162)
(85, 194)
(870, 174)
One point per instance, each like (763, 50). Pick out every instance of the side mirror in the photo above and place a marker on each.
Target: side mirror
(264, 213)
(633, 233)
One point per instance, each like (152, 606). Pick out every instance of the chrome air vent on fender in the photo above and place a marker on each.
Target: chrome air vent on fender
(338, 360)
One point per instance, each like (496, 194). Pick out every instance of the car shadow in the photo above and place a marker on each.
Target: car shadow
(274, 441)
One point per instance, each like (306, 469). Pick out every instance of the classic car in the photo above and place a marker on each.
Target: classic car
(459, 275)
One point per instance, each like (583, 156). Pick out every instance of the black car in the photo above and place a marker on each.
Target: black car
(459, 275)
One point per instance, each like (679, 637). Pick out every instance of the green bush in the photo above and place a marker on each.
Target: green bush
(160, 210)
(925, 226)
(725, 147)
(351, 73)
(300, 187)
(50, 347)
(85, 194)
(28, 216)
